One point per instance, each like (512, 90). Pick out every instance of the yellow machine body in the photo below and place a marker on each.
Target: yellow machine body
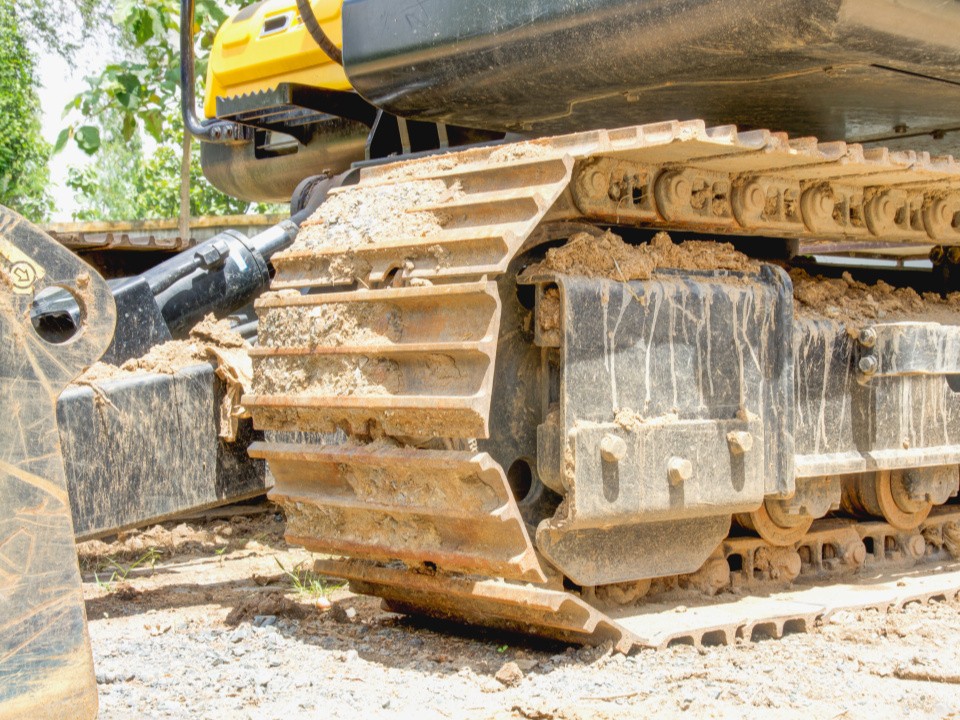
(266, 44)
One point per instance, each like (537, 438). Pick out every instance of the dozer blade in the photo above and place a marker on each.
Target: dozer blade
(46, 666)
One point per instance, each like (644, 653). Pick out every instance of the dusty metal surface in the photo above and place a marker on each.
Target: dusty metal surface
(130, 461)
(384, 321)
(451, 509)
(46, 667)
(761, 598)
(152, 234)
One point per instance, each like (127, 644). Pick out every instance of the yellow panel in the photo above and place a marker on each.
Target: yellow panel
(248, 57)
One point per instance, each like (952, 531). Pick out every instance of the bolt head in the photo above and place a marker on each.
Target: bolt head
(868, 364)
(679, 470)
(916, 546)
(868, 337)
(613, 448)
(680, 188)
(855, 553)
(740, 441)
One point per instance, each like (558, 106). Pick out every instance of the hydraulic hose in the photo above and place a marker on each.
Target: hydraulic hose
(210, 131)
(317, 33)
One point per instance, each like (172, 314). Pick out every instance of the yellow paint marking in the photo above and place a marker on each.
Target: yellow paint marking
(22, 271)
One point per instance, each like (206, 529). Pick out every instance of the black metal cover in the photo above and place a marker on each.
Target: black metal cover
(838, 69)
(145, 447)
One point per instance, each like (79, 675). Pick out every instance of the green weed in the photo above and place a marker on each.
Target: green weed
(120, 572)
(307, 582)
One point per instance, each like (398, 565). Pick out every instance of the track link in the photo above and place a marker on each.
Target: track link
(383, 321)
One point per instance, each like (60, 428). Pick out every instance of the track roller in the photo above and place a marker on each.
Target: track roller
(887, 494)
(774, 525)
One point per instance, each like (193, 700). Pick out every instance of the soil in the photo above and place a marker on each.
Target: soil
(386, 215)
(331, 325)
(324, 376)
(843, 299)
(170, 356)
(846, 299)
(210, 624)
(610, 257)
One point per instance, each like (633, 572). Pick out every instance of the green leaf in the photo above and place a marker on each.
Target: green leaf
(143, 27)
(153, 121)
(62, 139)
(129, 127)
(88, 138)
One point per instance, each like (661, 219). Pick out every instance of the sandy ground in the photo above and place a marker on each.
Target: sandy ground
(219, 618)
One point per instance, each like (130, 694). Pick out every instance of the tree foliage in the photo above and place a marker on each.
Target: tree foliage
(127, 185)
(23, 152)
(64, 27)
(138, 98)
(140, 94)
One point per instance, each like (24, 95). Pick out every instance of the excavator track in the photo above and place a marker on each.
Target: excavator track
(385, 320)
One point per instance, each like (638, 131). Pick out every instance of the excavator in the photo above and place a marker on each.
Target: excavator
(587, 312)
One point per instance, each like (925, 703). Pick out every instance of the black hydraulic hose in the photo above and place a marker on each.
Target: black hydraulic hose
(215, 131)
(317, 33)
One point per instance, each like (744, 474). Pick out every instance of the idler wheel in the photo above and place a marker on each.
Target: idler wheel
(775, 526)
(884, 494)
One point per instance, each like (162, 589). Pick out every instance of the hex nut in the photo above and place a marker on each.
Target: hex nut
(740, 441)
(855, 553)
(613, 448)
(679, 470)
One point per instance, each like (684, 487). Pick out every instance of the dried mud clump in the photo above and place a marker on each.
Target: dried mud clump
(265, 604)
(849, 300)
(333, 325)
(608, 256)
(169, 357)
(380, 213)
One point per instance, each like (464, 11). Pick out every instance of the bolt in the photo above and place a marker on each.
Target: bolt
(868, 364)
(868, 337)
(953, 255)
(937, 254)
(754, 198)
(916, 546)
(740, 441)
(942, 212)
(598, 182)
(791, 566)
(613, 448)
(855, 553)
(887, 209)
(823, 203)
(679, 470)
(680, 188)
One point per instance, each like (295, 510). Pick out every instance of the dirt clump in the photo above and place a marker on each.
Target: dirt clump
(361, 216)
(320, 376)
(331, 325)
(171, 356)
(608, 256)
(850, 300)
(265, 603)
(509, 675)
(217, 333)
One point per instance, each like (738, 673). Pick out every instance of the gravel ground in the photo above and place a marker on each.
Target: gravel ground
(208, 625)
